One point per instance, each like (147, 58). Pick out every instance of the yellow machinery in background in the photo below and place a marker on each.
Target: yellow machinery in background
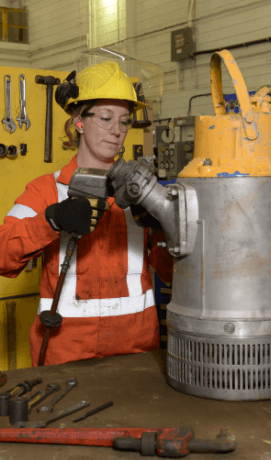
(19, 296)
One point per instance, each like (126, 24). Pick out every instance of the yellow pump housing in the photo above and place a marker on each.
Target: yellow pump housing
(233, 145)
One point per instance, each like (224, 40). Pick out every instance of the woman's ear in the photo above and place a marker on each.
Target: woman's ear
(78, 123)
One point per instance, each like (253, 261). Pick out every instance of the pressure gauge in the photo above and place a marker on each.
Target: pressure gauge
(162, 165)
(171, 152)
(166, 165)
(166, 153)
(168, 136)
(171, 165)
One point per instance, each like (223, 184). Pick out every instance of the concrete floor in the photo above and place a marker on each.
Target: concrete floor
(142, 398)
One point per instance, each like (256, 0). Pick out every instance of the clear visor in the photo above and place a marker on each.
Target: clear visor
(149, 76)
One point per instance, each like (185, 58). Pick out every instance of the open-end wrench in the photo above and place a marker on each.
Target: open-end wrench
(70, 384)
(23, 118)
(52, 418)
(51, 388)
(8, 121)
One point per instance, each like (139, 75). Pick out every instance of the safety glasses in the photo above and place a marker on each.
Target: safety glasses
(107, 122)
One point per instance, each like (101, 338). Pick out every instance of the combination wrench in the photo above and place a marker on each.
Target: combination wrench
(8, 121)
(70, 384)
(23, 118)
(52, 418)
(51, 388)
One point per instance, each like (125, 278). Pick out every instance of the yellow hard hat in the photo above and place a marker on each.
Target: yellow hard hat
(104, 81)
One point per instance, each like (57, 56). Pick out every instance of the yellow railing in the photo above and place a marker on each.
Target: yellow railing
(6, 23)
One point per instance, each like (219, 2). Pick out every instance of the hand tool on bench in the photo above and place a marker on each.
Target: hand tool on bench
(23, 388)
(70, 384)
(167, 442)
(3, 379)
(51, 388)
(16, 392)
(49, 81)
(18, 408)
(94, 411)
(52, 418)
(23, 118)
(8, 120)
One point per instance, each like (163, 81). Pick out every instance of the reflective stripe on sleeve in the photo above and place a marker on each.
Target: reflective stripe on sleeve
(20, 211)
(71, 308)
(62, 189)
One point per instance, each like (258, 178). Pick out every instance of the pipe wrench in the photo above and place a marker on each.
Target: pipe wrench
(8, 121)
(23, 118)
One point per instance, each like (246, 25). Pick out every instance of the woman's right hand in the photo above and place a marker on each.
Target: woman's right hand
(77, 215)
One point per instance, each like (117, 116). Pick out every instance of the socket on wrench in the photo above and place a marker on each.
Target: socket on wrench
(52, 418)
(70, 384)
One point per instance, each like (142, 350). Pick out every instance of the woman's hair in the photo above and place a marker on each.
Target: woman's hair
(70, 129)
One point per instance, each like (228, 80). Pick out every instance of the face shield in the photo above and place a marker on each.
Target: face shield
(147, 78)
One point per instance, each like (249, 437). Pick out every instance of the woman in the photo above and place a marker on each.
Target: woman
(107, 300)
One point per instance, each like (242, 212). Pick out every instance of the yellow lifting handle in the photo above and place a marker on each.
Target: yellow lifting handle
(263, 91)
(240, 88)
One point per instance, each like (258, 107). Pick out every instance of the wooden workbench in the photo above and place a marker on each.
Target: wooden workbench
(142, 398)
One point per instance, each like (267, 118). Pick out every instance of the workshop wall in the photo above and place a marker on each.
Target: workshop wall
(217, 25)
(108, 21)
(57, 33)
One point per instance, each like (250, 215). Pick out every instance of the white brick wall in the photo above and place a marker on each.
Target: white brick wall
(110, 18)
(218, 24)
(58, 31)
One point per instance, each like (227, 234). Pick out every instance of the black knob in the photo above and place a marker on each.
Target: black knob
(18, 410)
(50, 320)
(3, 150)
(12, 151)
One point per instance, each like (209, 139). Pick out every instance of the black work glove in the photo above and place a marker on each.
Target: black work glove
(78, 215)
(143, 218)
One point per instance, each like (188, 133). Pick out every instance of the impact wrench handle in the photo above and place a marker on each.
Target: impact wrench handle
(52, 318)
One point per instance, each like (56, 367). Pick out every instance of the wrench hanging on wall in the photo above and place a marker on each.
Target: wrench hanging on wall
(8, 120)
(23, 118)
